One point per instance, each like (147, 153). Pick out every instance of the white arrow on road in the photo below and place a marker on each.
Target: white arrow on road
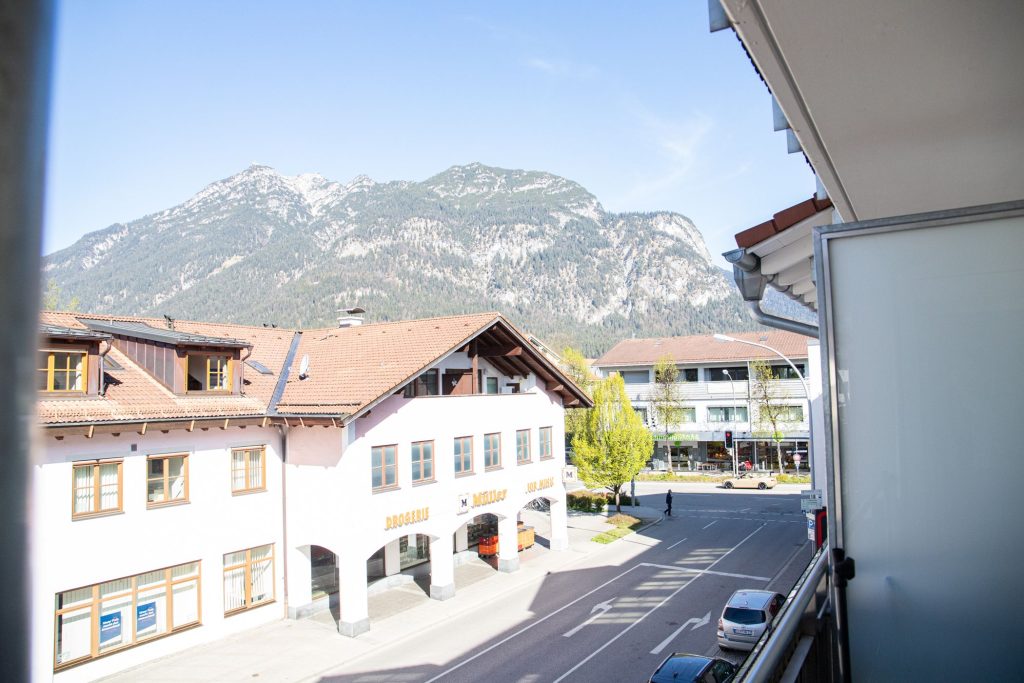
(596, 611)
(697, 623)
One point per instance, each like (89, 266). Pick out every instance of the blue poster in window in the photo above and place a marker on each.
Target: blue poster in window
(110, 627)
(145, 617)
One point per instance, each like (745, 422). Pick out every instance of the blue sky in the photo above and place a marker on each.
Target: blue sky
(637, 102)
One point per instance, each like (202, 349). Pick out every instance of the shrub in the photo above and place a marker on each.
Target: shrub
(585, 501)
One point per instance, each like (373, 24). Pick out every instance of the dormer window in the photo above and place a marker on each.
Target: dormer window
(209, 372)
(62, 371)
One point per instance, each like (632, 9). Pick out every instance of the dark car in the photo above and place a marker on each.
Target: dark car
(684, 668)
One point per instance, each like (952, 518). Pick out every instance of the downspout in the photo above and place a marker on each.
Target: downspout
(241, 368)
(104, 352)
(746, 271)
(283, 431)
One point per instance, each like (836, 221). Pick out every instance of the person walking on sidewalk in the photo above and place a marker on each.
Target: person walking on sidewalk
(668, 503)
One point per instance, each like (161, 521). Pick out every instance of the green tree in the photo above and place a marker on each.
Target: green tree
(769, 403)
(612, 444)
(575, 365)
(665, 399)
(51, 298)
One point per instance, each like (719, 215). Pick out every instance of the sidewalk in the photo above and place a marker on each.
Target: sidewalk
(303, 650)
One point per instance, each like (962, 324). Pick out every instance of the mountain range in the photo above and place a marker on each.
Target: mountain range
(263, 247)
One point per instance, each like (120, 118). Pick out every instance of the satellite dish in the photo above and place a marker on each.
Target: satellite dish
(304, 367)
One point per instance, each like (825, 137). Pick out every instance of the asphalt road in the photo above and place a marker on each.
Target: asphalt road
(655, 593)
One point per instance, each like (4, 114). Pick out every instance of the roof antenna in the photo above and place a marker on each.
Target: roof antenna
(304, 367)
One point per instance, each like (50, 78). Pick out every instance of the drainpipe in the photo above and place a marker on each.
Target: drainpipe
(283, 431)
(104, 352)
(746, 271)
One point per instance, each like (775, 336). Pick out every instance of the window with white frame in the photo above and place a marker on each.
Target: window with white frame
(791, 413)
(727, 414)
(248, 578)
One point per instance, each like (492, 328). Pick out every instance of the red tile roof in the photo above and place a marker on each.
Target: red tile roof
(784, 219)
(704, 349)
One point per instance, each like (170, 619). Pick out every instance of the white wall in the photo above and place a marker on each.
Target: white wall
(69, 554)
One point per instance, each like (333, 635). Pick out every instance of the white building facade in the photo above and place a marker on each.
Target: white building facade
(291, 466)
(716, 394)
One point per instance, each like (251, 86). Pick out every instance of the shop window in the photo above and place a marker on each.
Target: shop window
(492, 451)
(62, 371)
(248, 469)
(463, 449)
(248, 578)
(384, 467)
(422, 461)
(96, 488)
(93, 620)
(522, 446)
(544, 436)
(166, 479)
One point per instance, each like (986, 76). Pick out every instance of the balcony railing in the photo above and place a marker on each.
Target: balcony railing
(800, 646)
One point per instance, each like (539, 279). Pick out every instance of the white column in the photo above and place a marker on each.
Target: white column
(392, 558)
(442, 568)
(300, 582)
(559, 525)
(462, 539)
(355, 617)
(508, 545)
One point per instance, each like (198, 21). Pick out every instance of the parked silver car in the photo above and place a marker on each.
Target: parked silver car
(746, 616)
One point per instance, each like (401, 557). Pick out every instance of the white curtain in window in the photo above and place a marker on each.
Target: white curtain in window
(237, 470)
(262, 574)
(255, 469)
(83, 489)
(108, 486)
(234, 589)
(186, 603)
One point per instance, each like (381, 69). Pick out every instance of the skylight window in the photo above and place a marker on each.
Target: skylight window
(259, 367)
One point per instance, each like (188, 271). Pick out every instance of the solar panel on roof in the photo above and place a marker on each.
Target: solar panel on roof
(259, 367)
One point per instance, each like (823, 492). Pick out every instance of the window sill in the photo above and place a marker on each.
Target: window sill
(386, 489)
(243, 610)
(424, 482)
(524, 462)
(94, 515)
(248, 492)
(550, 457)
(165, 504)
(459, 475)
(493, 468)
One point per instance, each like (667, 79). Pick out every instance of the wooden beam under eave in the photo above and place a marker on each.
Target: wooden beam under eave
(191, 426)
(92, 429)
(227, 420)
(572, 403)
(558, 388)
(142, 432)
(265, 420)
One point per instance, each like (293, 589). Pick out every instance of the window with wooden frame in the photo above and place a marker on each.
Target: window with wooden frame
(208, 372)
(384, 467)
(492, 451)
(463, 450)
(62, 371)
(166, 479)
(248, 469)
(96, 488)
(94, 620)
(248, 578)
(522, 446)
(422, 461)
(544, 436)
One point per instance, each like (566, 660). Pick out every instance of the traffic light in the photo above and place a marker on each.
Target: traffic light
(728, 438)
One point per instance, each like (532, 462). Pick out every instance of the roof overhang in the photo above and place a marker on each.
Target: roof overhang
(900, 107)
(139, 330)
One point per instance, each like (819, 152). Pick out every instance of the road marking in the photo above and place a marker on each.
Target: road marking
(528, 627)
(709, 524)
(801, 548)
(674, 545)
(597, 611)
(651, 611)
(706, 571)
(697, 623)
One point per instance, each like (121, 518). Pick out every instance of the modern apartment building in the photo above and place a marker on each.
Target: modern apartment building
(715, 396)
(199, 479)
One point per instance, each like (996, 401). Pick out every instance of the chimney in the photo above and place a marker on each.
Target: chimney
(351, 317)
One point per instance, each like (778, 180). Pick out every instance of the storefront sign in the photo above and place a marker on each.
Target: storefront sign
(406, 518)
(145, 617)
(488, 497)
(540, 484)
(683, 436)
(569, 473)
(110, 627)
(463, 504)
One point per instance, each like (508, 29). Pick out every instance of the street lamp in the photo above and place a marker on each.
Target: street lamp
(732, 390)
(807, 388)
